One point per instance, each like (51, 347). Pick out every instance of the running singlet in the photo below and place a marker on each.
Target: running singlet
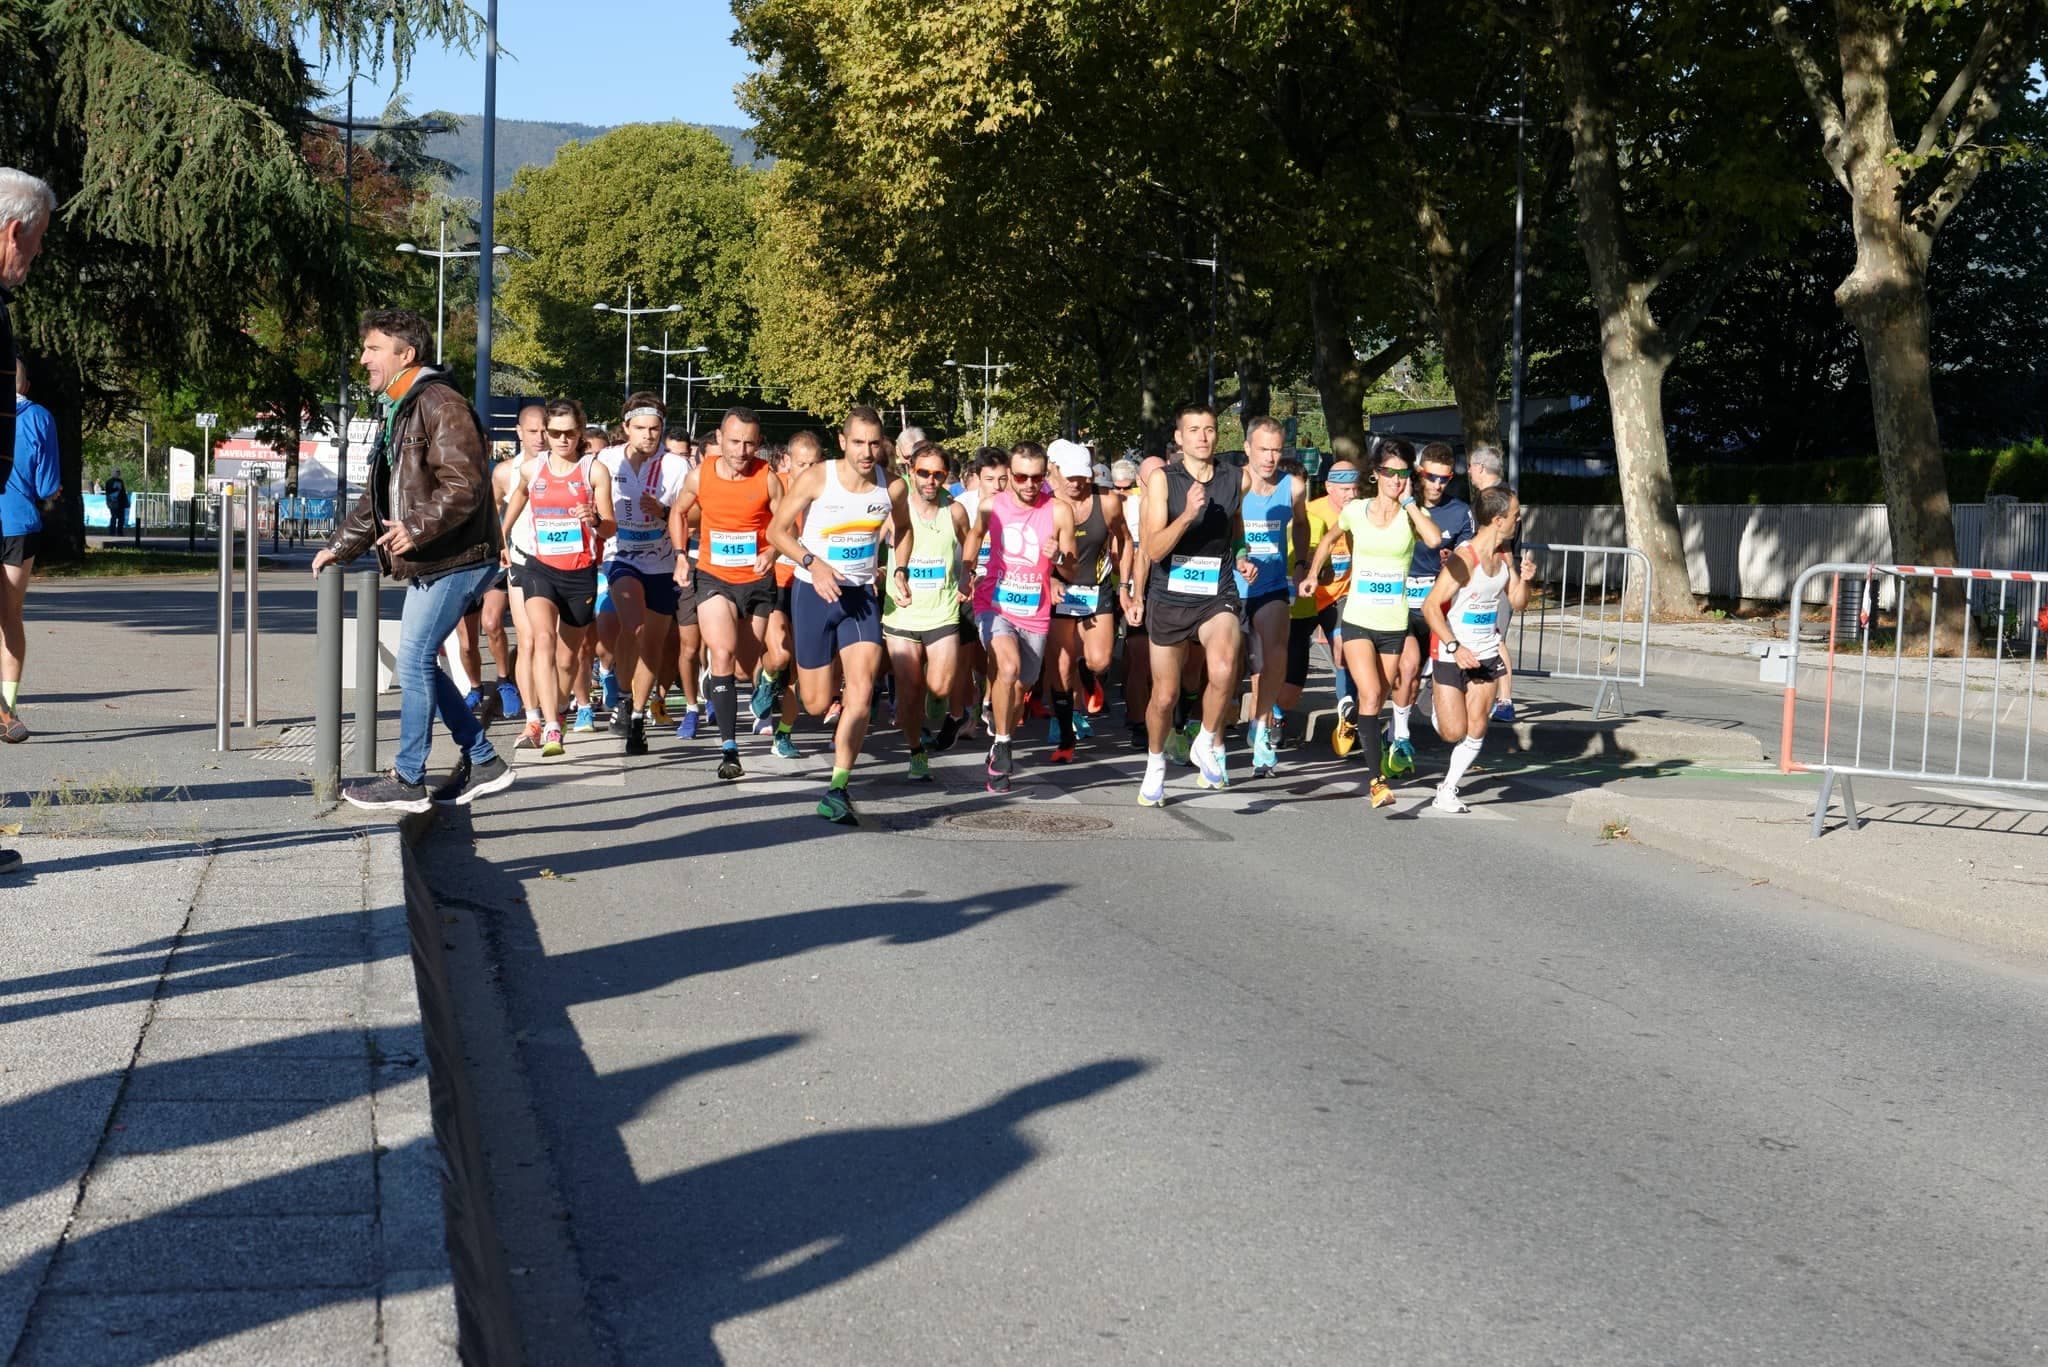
(642, 541)
(1268, 530)
(1199, 564)
(735, 521)
(1474, 612)
(844, 530)
(1095, 589)
(1380, 557)
(1456, 520)
(1018, 583)
(934, 575)
(1320, 517)
(522, 530)
(562, 540)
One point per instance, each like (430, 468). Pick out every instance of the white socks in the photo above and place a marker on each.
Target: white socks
(1462, 756)
(1205, 737)
(1401, 721)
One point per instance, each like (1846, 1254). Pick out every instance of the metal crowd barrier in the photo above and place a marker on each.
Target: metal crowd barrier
(1588, 618)
(2001, 640)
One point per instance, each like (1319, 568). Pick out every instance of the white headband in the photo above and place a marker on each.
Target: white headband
(645, 411)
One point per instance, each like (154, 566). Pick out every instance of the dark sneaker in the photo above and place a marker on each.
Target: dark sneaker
(468, 783)
(837, 806)
(387, 793)
(636, 734)
(999, 767)
(729, 764)
(948, 732)
(10, 862)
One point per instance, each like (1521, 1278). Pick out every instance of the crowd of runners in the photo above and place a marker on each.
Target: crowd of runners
(659, 586)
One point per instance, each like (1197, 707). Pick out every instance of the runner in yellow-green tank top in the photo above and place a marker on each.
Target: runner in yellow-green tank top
(921, 612)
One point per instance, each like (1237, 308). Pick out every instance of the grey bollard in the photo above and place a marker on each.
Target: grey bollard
(249, 633)
(327, 687)
(224, 637)
(368, 582)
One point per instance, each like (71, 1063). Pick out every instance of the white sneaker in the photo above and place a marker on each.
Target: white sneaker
(1211, 769)
(1447, 801)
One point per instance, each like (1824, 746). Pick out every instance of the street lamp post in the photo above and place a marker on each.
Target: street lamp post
(664, 352)
(441, 260)
(630, 313)
(1214, 262)
(987, 368)
(689, 383)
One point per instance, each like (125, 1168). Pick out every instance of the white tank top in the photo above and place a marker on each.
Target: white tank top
(639, 540)
(522, 530)
(844, 530)
(1134, 512)
(1474, 613)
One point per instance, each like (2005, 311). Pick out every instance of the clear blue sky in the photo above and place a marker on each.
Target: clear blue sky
(594, 61)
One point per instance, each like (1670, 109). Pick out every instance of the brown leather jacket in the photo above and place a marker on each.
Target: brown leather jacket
(440, 491)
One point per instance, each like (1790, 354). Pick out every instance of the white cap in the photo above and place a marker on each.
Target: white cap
(1071, 458)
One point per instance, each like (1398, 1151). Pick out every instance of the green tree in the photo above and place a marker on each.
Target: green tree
(658, 206)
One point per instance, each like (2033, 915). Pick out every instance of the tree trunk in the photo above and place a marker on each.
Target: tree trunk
(1254, 385)
(1634, 352)
(1339, 378)
(1892, 324)
(1475, 383)
(56, 388)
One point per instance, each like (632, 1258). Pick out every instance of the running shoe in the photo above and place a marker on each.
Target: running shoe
(1447, 801)
(1398, 759)
(12, 729)
(1052, 732)
(1152, 791)
(920, 767)
(472, 700)
(762, 704)
(1265, 759)
(586, 719)
(1504, 710)
(529, 739)
(1211, 769)
(1379, 793)
(785, 748)
(1344, 739)
(609, 682)
(837, 806)
(658, 710)
(1000, 767)
(1083, 728)
(1181, 743)
(466, 784)
(729, 764)
(636, 734)
(764, 723)
(832, 713)
(509, 704)
(949, 731)
(551, 742)
(387, 793)
(1096, 702)
(687, 727)
(1062, 754)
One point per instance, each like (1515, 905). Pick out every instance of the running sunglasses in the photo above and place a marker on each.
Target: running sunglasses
(566, 433)
(1392, 472)
(1436, 479)
(929, 474)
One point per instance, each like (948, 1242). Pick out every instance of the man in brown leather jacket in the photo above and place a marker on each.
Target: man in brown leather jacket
(427, 510)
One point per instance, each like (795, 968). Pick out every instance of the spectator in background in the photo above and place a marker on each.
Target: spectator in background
(116, 490)
(25, 208)
(33, 479)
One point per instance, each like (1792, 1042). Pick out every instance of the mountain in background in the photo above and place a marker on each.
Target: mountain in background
(532, 142)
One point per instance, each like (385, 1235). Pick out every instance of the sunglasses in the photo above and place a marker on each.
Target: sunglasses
(1436, 479)
(929, 474)
(1392, 472)
(570, 434)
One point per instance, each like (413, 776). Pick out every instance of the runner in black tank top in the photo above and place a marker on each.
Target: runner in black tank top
(1083, 637)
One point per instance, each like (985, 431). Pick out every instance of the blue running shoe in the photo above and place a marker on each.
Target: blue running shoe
(610, 683)
(762, 704)
(1083, 727)
(586, 720)
(1503, 710)
(687, 728)
(785, 748)
(473, 700)
(508, 701)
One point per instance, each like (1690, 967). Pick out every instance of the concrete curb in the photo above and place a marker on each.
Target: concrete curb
(1958, 919)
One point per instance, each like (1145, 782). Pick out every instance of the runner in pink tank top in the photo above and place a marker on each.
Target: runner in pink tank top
(1022, 541)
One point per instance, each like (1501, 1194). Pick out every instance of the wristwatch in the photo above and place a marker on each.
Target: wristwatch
(807, 560)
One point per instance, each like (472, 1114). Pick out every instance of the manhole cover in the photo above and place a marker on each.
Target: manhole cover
(1030, 823)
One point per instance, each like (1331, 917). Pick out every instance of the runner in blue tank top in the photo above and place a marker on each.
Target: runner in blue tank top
(1276, 546)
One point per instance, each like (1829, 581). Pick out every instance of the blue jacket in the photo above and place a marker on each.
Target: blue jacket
(35, 475)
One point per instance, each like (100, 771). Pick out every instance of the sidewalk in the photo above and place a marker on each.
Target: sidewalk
(213, 1073)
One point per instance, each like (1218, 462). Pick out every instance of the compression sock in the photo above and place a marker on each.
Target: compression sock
(1369, 740)
(1063, 712)
(1462, 755)
(1401, 715)
(721, 703)
(840, 777)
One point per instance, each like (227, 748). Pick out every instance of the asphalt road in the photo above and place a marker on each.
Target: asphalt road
(1263, 1077)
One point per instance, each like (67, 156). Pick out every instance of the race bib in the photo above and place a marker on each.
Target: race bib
(640, 537)
(1480, 618)
(1085, 600)
(850, 552)
(1020, 595)
(1418, 589)
(1265, 540)
(1197, 575)
(1379, 592)
(734, 550)
(1340, 568)
(981, 556)
(557, 534)
(927, 572)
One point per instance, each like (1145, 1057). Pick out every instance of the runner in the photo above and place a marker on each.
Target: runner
(1190, 524)
(987, 471)
(1486, 468)
(509, 475)
(804, 451)
(1324, 610)
(571, 499)
(1276, 542)
(487, 622)
(640, 561)
(735, 495)
(920, 619)
(1130, 597)
(1436, 466)
(1031, 538)
(1382, 532)
(832, 522)
(1084, 616)
(688, 648)
(1463, 609)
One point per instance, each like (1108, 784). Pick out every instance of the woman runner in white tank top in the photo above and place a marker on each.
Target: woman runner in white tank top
(1464, 612)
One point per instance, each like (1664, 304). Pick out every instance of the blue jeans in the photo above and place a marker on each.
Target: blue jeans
(431, 612)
